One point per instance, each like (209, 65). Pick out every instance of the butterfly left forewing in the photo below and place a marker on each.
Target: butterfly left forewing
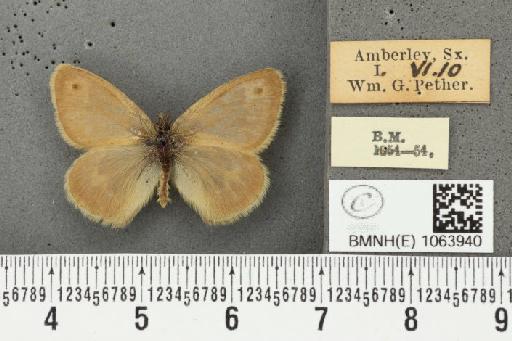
(111, 184)
(91, 112)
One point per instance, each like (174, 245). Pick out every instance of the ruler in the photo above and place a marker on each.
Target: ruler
(255, 297)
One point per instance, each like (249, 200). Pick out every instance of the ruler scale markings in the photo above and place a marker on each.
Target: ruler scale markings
(339, 271)
(187, 269)
(223, 272)
(445, 270)
(141, 274)
(60, 270)
(214, 271)
(437, 272)
(51, 279)
(123, 270)
(366, 273)
(349, 266)
(492, 273)
(312, 271)
(330, 272)
(15, 273)
(151, 273)
(509, 273)
(105, 272)
(33, 269)
(24, 269)
(375, 272)
(501, 274)
(321, 276)
(465, 267)
(419, 274)
(259, 271)
(266, 265)
(250, 270)
(177, 273)
(6, 275)
(279, 270)
(456, 275)
(303, 271)
(205, 271)
(130, 265)
(42, 269)
(357, 270)
(78, 271)
(96, 268)
(277, 275)
(428, 271)
(285, 274)
(392, 274)
(411, 274)
(384, 273)
(87, 270)
(231, 275)
(69, 274)
(114, 276)
(401, 272)
(195, 271)
(483, 272)
(240, 272)
(168, 270)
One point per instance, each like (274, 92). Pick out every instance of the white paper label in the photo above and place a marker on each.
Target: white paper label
(411, 216)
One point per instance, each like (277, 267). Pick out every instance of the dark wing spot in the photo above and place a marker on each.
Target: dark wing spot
(258, 91)
(74, 86)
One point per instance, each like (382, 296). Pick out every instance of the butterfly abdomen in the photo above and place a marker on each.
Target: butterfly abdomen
(163, 189)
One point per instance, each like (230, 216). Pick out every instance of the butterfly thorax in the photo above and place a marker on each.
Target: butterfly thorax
(166, 146)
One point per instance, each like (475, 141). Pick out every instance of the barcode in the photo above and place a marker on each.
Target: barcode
(458, 208)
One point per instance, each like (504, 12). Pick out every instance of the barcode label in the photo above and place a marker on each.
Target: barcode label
(411, 216)
(458, 208)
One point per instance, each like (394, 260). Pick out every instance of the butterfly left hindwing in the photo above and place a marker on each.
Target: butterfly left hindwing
(111, 184)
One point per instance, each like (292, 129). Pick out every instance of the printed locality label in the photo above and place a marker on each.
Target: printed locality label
(390, 142)
(411, 216)
(391, 71)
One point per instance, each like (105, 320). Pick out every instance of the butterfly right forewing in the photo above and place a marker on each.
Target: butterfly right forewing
(243, 113)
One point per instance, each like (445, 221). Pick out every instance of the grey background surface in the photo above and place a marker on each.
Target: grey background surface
(480, 135)
(164, 55)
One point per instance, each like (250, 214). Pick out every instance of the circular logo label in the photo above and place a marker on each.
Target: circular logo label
(362, 201)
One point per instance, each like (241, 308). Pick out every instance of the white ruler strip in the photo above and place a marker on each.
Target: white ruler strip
(255, 297)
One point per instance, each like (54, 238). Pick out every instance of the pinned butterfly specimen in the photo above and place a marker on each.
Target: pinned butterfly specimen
(209, 154)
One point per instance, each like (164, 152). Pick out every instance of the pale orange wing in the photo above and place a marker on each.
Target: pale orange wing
(242, 114)
(111, 184)
(222, 185)
(218, 172)
(91, 112)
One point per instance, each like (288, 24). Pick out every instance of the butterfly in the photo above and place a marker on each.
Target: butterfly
(209, 154)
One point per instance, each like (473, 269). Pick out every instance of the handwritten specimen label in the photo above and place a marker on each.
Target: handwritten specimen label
(390, 142)
(393, 71)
